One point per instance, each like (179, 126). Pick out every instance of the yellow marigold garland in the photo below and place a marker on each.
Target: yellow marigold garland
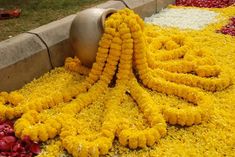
(163, 65)
(74, 64)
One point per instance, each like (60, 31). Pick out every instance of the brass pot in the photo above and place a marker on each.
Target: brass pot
(86, 31)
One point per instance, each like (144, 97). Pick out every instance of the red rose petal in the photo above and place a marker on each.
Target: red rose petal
(12, 147)
(206, 3)
(9, 139)
(35, 148)
(26, 139)
(229, 28)
(4, 146)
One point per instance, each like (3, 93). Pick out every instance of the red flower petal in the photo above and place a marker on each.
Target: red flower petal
(9, 139)
(35, 148)
(4, 146)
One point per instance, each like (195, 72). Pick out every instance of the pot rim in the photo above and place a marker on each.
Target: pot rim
(105, 14)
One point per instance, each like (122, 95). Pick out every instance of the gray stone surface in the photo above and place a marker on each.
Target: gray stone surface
(161, 4)
(144, 8)
(22, 58)
(112, 4)
(56, 37)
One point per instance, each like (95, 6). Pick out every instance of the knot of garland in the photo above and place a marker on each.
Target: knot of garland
(169, 65)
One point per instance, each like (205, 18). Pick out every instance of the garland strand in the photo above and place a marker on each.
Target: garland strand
(170, 65)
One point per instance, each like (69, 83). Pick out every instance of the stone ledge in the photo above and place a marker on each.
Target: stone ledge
(22, 58)
(56, 37)
(144, 8)
(161, 4)
(112, 4)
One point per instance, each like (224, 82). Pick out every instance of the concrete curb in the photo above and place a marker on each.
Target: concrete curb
(112, 4)
(56, 37)
(22, 58)
(144, 8)
(163, 3)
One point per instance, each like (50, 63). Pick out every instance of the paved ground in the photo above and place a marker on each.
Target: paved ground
(38, 12)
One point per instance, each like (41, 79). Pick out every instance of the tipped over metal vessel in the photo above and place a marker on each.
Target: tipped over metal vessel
(86, 31)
